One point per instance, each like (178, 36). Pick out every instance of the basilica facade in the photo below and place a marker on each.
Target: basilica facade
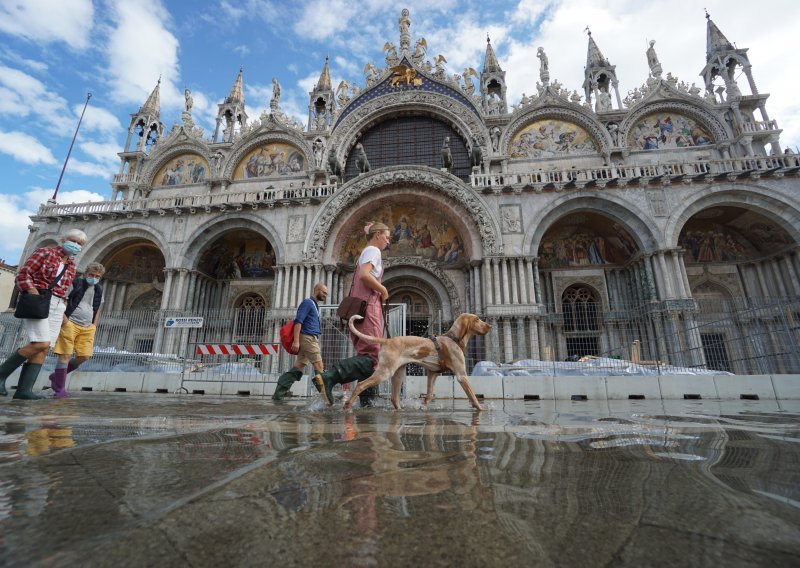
(547, 216)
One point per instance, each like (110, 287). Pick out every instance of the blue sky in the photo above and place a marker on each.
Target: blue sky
(52, 52)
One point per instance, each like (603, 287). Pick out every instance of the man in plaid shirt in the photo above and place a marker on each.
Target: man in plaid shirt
(38, 272)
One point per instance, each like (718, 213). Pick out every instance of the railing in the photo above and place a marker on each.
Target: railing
(616, 173)
(125, 178)
(758, 126)
(752, 336)
(188, 202)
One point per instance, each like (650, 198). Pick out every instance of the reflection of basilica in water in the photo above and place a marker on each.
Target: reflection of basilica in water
(671, 194)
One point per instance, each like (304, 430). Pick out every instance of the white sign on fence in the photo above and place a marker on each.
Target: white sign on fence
(183, 322)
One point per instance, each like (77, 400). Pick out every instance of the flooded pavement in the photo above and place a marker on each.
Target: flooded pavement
(163, 480)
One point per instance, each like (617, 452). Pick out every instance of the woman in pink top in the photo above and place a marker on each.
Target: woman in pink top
(367, 285)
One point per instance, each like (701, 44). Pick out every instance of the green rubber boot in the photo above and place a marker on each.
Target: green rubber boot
(27, 378)
(285, 382)
(7, 367)
(330, 379)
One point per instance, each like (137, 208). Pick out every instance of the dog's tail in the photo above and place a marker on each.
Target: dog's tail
(357, 333)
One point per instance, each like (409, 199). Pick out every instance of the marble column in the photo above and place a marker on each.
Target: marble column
(506, 298)
(498, 298)
(522, 275)
(508, 346)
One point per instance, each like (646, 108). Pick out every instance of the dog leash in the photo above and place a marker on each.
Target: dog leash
(442, 365)
(385, 308)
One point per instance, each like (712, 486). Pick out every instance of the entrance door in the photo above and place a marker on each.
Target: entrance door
(715, 351)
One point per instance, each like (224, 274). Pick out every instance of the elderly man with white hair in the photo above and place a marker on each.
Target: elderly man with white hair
(48, 270)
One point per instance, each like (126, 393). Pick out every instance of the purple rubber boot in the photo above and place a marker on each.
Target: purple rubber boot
(59, 381)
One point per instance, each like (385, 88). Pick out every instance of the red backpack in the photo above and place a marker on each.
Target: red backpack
(287, 336)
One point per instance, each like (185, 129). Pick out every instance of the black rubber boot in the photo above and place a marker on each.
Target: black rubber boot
(27, 378)
(285, 382)
(7, 367)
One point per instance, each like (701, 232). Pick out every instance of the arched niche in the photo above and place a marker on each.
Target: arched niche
(423, 228)
(585, 238)
(134, 262)
(271, 159)
(551, 137)
(185, 169)
(730, 234)
(238, 254)
(667, 130)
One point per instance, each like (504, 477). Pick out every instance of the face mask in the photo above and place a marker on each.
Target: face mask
(71, 247)
(92, 281)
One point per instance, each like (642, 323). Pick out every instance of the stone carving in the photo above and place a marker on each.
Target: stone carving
(476, 154)
(603, 101)
(334, 165)
(296, 228)
(319, 153)
(544, 66)
(274, 103)
(391, 54)
(371, 73)
(446, 155)
(495, 134)
(652, 60)
(419, 51)
(511, 218)
(361, 159)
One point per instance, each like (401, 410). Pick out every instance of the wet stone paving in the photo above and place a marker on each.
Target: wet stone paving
(167, 480)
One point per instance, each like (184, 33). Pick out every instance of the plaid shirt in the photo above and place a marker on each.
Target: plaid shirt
(41, 269)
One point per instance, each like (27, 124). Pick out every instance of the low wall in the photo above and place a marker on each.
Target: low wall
(665, 387)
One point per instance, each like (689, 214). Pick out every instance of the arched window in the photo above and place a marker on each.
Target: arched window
(580, 307)
(250, 312)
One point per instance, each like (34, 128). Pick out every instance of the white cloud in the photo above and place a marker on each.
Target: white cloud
(141, 49)
(35, 197)
(25, 148)
(97, 119)
(47, 21)
(14, 223)
(15, 212)
(25, 95)
(321, 19)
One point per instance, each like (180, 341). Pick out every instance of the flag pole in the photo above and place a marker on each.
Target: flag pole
(52, 200)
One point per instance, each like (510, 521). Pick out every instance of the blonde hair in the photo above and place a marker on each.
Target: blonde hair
(373, 227)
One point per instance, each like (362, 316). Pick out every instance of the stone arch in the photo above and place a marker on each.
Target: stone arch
(167, 152)
(105, 242)
(398, 181)
(409, 103)
(755, 198)
(694, 111)
(250, 142)
(630, 217)
(714, 285)
(434, 281)
(208, 232)
(569, 114)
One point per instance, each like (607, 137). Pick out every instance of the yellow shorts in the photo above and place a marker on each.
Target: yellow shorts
(77, 338)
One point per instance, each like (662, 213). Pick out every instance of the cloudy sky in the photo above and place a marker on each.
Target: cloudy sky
(52, 52)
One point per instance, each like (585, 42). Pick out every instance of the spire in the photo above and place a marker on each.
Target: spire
(324, 83)
(153, 104)
(594, 57)
(715, 40)
(236, 95)
(490, 63)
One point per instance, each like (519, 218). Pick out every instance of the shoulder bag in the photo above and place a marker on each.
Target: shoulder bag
(36, 306)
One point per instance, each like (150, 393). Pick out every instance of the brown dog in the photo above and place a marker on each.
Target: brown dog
(397, 352)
